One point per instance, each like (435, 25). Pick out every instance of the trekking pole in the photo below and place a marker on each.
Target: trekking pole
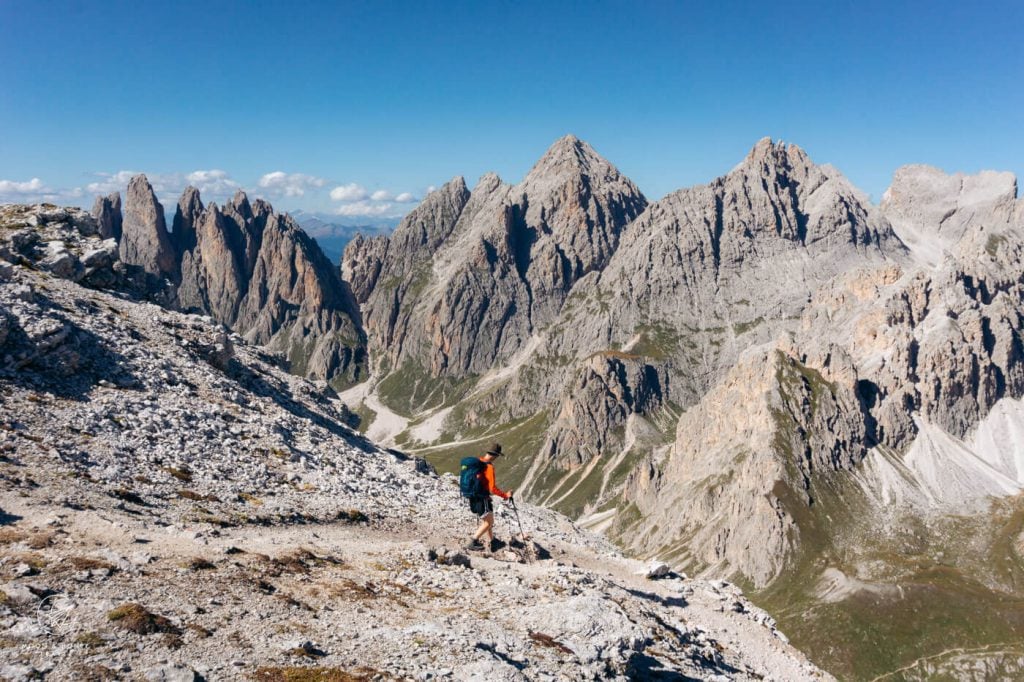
(515, 510)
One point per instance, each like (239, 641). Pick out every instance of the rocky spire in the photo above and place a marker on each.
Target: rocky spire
(107, 212)
(213, 280)
(260, 274)
(144, 240)
(190, 207)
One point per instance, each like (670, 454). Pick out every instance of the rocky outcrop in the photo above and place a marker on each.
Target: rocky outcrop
(213, 275)
(591, 419)
(707, 271)
(879, 351)
(932, 211)
(144, 240)
(297, 303)
(702, 275)
(251, 269)
(730, 492)
(67, 244)
(361, 264)
(107, 212)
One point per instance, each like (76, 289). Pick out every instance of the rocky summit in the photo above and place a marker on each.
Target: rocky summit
(178, 506)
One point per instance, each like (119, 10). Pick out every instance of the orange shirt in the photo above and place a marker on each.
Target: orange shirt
(491, 485)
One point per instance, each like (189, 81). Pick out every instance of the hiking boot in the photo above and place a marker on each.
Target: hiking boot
(474, 545)
(496, 545)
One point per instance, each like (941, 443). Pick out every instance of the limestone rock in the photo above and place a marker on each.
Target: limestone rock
(259, 273)
(468, 278)
(609, 388)
(931, 211)
(144, 240)
(190, 208)
(107, 212)
(170, 673)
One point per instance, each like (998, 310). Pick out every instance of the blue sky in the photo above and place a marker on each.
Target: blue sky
(361, 99)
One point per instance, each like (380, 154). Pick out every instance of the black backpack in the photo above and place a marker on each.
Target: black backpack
(471, 478)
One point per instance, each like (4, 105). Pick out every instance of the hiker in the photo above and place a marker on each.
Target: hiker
(477, 483)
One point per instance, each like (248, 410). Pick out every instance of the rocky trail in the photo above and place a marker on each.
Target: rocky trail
(371, 601)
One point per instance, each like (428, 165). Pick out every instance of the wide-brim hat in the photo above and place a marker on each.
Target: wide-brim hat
(495, 450)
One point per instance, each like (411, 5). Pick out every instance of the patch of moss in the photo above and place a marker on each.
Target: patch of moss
(182, 474)
(196, 497)
(658, 341)
(138, 619)
(993, 243)
(199, 564)
(93, 640)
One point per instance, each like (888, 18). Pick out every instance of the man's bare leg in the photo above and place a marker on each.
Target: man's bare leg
(486, 527)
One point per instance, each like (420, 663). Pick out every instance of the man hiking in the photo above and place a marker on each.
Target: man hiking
(476, 481)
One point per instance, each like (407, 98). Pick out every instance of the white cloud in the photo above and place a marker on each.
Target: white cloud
(212, 184)
(381, 195)
(290, 184)
(36, 191)
(405, 198)
(431, 188)
(111, 182)
(364, 208)
(33, 186)
(209, 182)
(349, 192)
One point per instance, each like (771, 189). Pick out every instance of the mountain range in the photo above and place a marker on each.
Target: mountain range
(766, 378)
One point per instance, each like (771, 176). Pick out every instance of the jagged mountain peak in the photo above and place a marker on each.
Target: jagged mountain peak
(456, 184)
(572, 155)
(772, 157)
(191, 194)
(190, 208)
(488, 182)
(240, 204)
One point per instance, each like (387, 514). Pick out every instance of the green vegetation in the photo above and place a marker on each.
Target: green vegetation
(744, 327)
(412, 389)
(951, 583)
(993, 243)
(659, 341)
(585, 491)
(366, 417)
(93, 640)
